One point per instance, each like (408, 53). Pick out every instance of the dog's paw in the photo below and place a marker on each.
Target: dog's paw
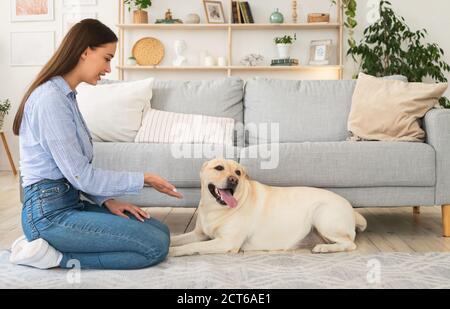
(172, 252)
(321, 249)
(176, 251)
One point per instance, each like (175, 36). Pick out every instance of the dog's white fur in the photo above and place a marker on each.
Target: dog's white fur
(266, 218)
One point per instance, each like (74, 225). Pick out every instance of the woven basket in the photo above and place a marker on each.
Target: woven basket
(318, 18)
(148, 51)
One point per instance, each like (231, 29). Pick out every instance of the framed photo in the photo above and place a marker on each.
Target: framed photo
(214, 12)
(79, 2)
(32, 48)
(32, 10)
(320, 52)
(70, 19)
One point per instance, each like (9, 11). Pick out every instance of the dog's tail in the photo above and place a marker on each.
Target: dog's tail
(361, 223)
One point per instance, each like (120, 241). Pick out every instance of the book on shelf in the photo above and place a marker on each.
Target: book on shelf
(285, 62)
(242, 14)
(248, 13)
(234, 8)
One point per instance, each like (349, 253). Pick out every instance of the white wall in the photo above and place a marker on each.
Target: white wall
(431, 14)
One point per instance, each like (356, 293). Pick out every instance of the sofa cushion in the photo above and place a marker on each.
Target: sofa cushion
(179, 164)
(167, 128)
(103, 107)
(315, 111)
(344, 164)
(390, 110)
(217, 98)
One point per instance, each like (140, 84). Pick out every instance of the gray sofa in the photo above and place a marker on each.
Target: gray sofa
(310, 149)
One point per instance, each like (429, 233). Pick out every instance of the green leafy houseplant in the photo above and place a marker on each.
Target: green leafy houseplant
(138, 4)
(389, 47)
(4, 110)
(287, 39)
(350, 23)
(4, 107)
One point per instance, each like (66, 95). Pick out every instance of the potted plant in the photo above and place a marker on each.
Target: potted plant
(390, 47)
(284, 44)
(139, 15)
(349, 7)
(4, 110)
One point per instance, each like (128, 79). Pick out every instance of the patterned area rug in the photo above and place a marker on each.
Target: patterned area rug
(257, 270)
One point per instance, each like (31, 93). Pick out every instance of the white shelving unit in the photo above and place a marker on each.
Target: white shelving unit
(230, 28)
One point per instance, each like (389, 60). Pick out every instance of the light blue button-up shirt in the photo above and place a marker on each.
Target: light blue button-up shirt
(55, 143)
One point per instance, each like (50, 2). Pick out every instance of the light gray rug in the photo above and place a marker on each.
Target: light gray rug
(259, 271)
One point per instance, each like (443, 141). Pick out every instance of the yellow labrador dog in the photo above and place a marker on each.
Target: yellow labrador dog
(237, 213)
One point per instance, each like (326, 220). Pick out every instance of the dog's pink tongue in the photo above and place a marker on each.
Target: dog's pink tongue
(228, 198)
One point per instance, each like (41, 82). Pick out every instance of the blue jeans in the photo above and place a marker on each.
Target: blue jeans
(89, 234)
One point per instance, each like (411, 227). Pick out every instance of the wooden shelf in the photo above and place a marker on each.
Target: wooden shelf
(174, 26)
(285, 68)
(285, 26)
(168, 68)
(237, 68)
(232, 26)
(124, 27)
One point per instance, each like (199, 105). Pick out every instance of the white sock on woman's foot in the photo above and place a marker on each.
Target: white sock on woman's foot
(38, 254)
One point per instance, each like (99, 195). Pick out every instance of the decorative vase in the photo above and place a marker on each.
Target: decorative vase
(140, 17)
(294, 12)
(284, 51)
(276, 17)
(192, 19)
(209, 61)
(131, 61)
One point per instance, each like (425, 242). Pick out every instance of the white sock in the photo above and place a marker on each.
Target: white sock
(38, 254)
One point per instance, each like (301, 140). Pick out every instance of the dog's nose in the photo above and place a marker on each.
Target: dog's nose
(233, 180)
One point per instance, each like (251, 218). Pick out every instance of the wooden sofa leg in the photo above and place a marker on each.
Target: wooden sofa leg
(446, 220)
(416, 210)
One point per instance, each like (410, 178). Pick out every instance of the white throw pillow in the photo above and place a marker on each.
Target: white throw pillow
(169, 128)
(114, 112)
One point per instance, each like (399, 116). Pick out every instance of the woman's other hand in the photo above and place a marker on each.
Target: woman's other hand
(161, 185)
(119, 208)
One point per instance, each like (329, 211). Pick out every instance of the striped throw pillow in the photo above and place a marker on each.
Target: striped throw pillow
(175, 128)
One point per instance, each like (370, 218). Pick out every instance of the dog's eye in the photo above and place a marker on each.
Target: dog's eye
(238, 173)
(219, 168)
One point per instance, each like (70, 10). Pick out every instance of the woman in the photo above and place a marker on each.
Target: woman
(56, 165)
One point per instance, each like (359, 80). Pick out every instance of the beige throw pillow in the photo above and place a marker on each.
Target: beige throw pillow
(175, 128)
(389, 110)
(114, 112)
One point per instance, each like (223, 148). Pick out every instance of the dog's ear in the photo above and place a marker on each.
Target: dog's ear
(246, 173)
(203, 167)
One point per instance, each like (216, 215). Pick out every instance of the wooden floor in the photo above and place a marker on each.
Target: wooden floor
(389, 229)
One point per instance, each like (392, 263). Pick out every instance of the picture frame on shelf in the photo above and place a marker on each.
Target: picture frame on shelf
(32, 10)
(71, 18)
(42, 45)
(320, 51)
(214, 12)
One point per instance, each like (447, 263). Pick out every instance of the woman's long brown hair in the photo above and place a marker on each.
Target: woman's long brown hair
(87, 33)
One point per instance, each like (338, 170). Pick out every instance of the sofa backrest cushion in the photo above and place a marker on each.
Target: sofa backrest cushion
(217, 98)
(315, 111)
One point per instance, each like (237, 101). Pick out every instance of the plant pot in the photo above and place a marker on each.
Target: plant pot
(140, 17)
(284, 51)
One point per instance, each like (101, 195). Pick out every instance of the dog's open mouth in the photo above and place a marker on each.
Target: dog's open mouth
(223, 196)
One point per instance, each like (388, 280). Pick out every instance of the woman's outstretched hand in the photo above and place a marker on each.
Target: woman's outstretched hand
(161, 185)
(119, 208)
